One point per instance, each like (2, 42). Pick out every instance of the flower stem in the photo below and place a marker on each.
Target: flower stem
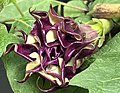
(69, 5)
(18, 8)
(24, 23)
(59, 9)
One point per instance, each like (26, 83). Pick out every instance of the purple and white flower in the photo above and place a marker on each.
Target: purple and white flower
(55, 47)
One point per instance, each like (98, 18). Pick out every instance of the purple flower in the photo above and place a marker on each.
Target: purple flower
(55, 47)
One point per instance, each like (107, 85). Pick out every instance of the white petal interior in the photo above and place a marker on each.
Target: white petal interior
(30, 40)
(35, 63)
(60, 61)
(53, 69)
(50, 77)
(35, 55)
(70, 63)
(51, 36)
(66, 80)
(16, 47)
(78, 63)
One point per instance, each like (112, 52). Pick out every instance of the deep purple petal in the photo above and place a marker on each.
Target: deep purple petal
(69, 72)
(25, 50)
(73, 49)
(65, 39)
(37, 31)
(88, 33)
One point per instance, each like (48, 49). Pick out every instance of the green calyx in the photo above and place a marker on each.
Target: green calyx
(102, 26)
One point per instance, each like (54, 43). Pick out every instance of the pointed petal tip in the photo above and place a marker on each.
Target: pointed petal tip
(9, 50)
(25, 78)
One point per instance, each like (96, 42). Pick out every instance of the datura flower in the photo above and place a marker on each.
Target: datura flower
(55, 47)
(102, 26)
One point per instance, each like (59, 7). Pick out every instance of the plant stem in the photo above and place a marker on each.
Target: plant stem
(24, 23)
(9, 20)
(18, 8)
(65, 4)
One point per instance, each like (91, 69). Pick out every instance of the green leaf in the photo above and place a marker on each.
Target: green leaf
(10, 12)
(72, 89)
(68, 11)
(4, 3)
(24, 24)
(6, 39)
(103, 75)
(1, 7)
(103, 2)
(15, 68)
(83, 18)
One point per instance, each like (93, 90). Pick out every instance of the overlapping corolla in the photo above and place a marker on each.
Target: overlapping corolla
(55, 47)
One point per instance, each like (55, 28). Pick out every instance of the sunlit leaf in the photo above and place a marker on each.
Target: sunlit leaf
(72, 12)
(103, 75)
(24, 24)
(10, 11)
(6, 38)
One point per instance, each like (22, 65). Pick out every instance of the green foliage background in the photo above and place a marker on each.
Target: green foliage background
(102, 76)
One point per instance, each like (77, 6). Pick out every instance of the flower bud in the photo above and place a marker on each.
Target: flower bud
(102, 26)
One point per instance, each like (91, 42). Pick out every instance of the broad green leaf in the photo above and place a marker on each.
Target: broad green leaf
(74, 89)
(72, 12)
(10, 12)
(83, 18)
(103, 75)
(4, 3)
(15, 69)
(103, 2)
(6, 39)
(1, 7)
(24, 24)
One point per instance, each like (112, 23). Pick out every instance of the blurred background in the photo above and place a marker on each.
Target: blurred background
(4, 84)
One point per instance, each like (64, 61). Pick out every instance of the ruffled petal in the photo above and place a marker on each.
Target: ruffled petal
(25, 50)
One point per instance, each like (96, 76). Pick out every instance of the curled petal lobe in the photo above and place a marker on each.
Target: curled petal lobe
(53, 17)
